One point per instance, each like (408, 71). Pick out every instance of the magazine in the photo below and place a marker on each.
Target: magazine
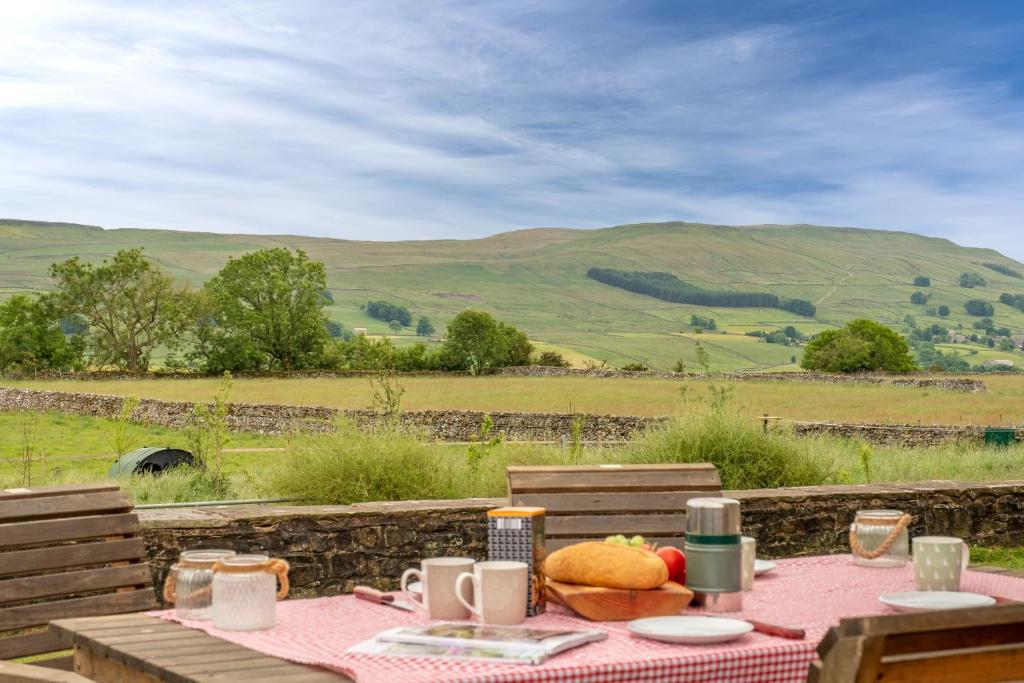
(499, 644)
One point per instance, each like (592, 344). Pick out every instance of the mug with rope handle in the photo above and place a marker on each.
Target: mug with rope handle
(879, 538)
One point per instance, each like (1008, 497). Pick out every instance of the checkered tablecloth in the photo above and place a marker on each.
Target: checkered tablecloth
(813, 593)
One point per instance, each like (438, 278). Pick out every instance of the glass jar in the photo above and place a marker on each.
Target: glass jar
(188, 584)
(245, 592)
(879, 538)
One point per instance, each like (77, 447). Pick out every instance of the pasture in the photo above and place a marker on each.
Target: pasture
(1002, 404)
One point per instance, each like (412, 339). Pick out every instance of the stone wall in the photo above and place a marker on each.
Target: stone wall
(898, 435)
(443, 425)
(334, 548)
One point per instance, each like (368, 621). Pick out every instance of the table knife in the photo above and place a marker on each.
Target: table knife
(381, 598)
(775, 630)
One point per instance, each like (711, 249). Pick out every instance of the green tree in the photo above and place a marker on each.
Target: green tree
(979, 307)
(476, 342)
(423, 327)
(272, 301)
(922, 281)
(919, 298)
(395, 326)
(861, 346)
(31, 338)
(943, 311)
(129, 303)
(551, 359)
(518, 349)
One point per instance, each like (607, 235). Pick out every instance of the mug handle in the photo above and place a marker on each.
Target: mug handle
(965, 557)
(459, 581)
(280, 569)
(404, 584)
(170, 583)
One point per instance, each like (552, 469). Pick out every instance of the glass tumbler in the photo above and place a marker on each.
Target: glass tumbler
(188, 585)
(245, 592)
(879, 538)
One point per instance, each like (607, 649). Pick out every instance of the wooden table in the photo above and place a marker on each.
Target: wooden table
(135, 648)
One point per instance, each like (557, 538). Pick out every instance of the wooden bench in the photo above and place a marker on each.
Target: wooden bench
(592, 502)
(979, 645)
(66, 551)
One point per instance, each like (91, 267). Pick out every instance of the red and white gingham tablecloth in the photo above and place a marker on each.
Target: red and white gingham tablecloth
(813, 593)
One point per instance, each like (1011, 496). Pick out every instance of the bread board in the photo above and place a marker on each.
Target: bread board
(616, 604)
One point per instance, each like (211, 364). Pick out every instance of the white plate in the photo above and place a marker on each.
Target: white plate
(692, 630)
(763, 567)
(415, 587)
(926, 601)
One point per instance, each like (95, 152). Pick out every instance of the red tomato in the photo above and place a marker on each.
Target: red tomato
(675, 560)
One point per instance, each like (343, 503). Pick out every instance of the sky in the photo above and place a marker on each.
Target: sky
(422, 119)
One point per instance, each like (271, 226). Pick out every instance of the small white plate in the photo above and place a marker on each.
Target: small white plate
(691, 630)
(926, 601)
(763, 567)
(415, 587)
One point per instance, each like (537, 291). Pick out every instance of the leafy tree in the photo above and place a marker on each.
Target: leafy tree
(979, 307)
(475, 342)
(336, 330)
(919, 298)
(382, 310)
(31, 338)
(130, 305)
(943, 311)
(1015, 300)
(272, 300)
(423, 327)
(552, 359)
(395, 326)
(972, 280)
(703, 323)
(1005, 344)
(518, 349)
(863, 345)
(792, 332)
(922, 281)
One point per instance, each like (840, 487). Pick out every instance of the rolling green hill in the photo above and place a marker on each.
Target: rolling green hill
(537, 280)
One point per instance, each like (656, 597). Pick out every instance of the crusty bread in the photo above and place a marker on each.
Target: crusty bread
(596, 563)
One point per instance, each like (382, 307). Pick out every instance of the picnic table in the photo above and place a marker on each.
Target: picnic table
(812, 593)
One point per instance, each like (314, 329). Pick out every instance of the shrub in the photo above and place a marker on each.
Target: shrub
(972, 280)
(861, 346)
(922, 281)
(943, 311)
(551, 359)
(636, 367)
(352, 466)
(979, 307)
(746, 456)
(919, 298)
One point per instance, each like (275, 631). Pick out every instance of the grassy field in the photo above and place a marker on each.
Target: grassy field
(536, 279)
(1002, 404)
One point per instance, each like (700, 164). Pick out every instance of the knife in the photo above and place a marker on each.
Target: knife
(379, 597)
(775, 630)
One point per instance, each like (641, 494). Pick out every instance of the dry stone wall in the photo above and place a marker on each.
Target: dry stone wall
(333, 548)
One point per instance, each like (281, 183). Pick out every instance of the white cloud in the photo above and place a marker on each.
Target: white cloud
(405, 120)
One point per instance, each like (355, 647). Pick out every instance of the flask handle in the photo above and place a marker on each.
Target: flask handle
(902, 523)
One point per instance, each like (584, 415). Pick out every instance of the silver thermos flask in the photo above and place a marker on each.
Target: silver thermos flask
(713, 558)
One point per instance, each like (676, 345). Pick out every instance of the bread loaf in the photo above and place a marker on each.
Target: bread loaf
(596, 563)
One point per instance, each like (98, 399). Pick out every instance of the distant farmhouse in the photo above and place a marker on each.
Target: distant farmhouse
(360, 331)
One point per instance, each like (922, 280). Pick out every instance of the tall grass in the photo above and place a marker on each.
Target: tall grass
(747, 457)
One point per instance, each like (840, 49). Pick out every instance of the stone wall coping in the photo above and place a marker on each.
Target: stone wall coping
(262, 515)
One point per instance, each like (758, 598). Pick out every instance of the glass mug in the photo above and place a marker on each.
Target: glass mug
(245, 592)
(189, 583)
(879, 538)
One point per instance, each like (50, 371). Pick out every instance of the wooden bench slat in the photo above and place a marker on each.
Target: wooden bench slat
(553, 544)
(62, 557)
(610, 525)
(605, 502)
(71, 583)
(556, 480)
(13, 672)
(52, 491)
(50, 507)
(74, 529)
(28, 644)
(965, 667)
(36, 615)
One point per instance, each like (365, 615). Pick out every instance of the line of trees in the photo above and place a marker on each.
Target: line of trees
(1005, 270)
(264, 311)
(388, 312)
(1014, 300)
(668, 287)
(972, 280)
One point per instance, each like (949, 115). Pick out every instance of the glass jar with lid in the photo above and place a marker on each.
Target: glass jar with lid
(189, 584)
(879, 538)
(245, 592)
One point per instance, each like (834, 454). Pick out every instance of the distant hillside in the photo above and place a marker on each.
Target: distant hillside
(537, 279)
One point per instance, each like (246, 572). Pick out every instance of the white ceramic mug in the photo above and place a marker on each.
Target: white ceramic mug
(500, 590)
(748, 553)
(938, 562)
(438, 575)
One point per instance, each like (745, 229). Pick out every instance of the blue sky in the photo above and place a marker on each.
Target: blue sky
(406, 120)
